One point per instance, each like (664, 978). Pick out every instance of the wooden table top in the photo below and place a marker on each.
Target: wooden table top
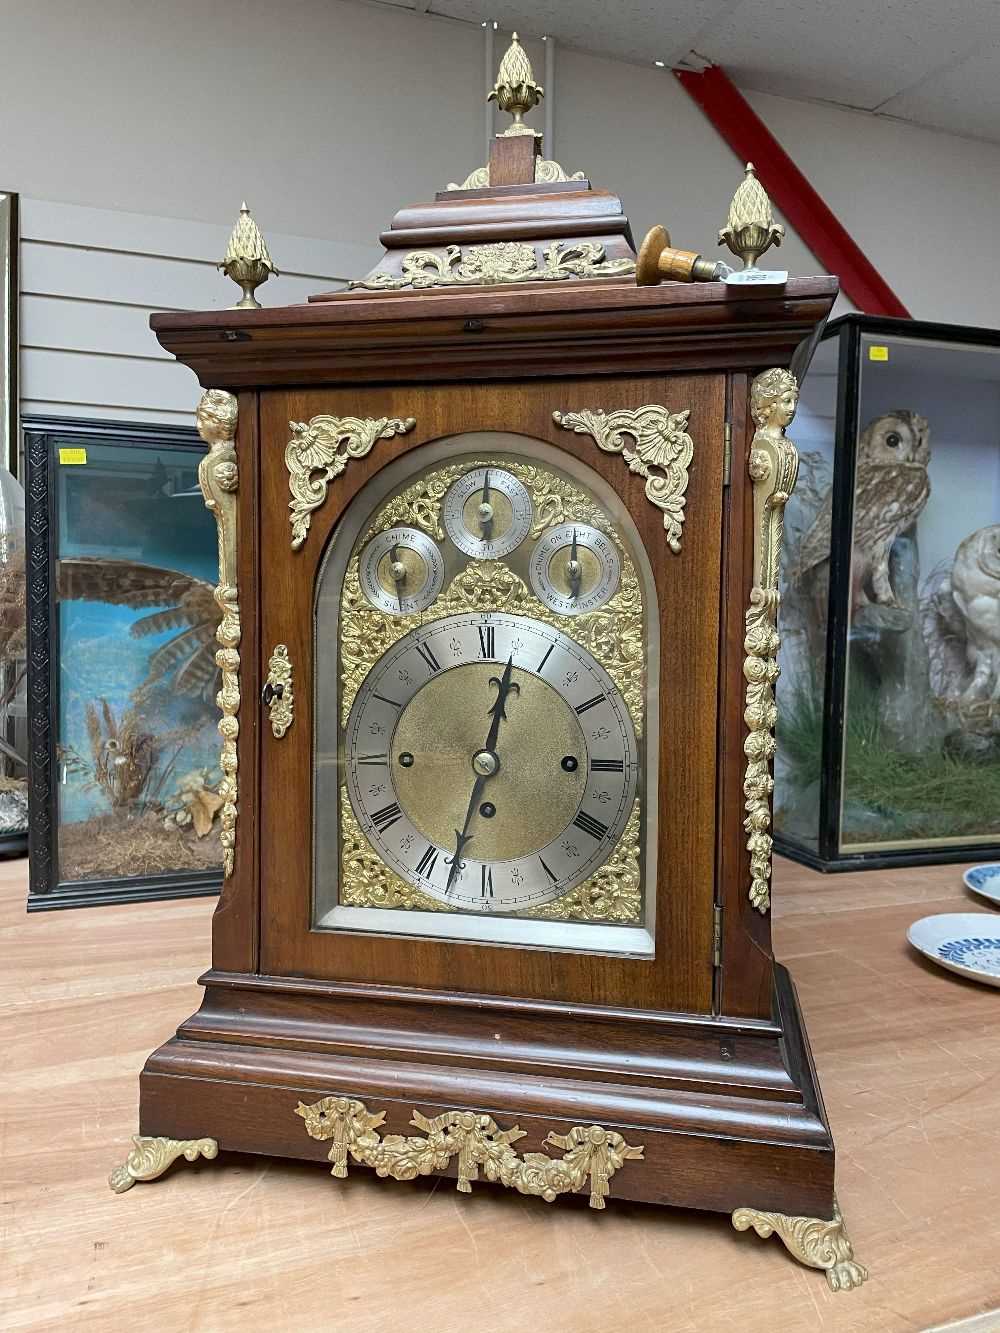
(908, 1057)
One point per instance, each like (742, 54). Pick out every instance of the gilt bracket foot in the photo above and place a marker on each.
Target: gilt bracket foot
(811, 1240)
(150, 1156)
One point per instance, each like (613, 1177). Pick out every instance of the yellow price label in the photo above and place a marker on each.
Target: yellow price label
(77, 456)
(878, 354)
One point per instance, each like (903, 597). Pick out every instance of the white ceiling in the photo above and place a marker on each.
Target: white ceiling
(931, 62)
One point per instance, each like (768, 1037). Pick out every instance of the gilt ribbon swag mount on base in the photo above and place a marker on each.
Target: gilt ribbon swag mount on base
(591, 1154)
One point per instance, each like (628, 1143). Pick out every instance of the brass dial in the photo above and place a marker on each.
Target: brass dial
(492, 763)
(574, 569)
(487, 513)
(401, 571)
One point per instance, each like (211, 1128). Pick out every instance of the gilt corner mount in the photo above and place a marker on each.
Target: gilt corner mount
(319, 451)
(662, 454)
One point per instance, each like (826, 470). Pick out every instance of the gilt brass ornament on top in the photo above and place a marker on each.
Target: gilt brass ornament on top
(590, 1157)
(815, 1243)
(247, 260)
(662, 454)
(515, 90)
(751, 229)
(319, 450)
(773, 467)
(218, 476)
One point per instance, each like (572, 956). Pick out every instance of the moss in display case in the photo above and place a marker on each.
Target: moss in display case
(128, 660)
(889, 706)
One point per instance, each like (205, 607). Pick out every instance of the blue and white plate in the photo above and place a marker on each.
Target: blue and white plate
(984, 880)
(963, 942)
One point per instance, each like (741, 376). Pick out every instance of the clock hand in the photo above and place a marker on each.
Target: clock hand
(574, 569)
(505, 687)
(486, 510)
(398, 571)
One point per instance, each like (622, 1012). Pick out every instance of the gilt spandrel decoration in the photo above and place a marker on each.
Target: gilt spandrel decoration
(662, 454)
(218, 476)
(319, 451)
(591, 1153)
(773, 467)
(498, 264)
(811, 1240)
(150, 1156)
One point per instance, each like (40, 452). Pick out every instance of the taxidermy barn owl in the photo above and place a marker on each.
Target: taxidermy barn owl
(975, 586)
(891, 489)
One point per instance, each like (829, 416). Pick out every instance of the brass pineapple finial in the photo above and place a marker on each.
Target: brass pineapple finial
(751, 228)
(247, 261)
(515, 90)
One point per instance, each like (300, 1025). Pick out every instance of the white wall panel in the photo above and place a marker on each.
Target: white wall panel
(86, 379)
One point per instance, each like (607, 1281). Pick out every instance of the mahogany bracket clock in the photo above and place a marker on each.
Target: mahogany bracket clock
(498, 544)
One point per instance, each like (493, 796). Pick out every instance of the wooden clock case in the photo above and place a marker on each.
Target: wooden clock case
(699, 1053)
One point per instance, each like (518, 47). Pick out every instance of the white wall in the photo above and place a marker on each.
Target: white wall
(155, 119)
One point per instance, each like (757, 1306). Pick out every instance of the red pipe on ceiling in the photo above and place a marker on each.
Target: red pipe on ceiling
(751, 140)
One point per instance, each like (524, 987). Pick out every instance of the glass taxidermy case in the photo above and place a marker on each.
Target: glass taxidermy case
(498, 540)
(122, 672)
(889, 706)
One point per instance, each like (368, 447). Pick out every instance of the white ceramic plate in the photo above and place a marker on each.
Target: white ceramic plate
(984, 880)
(963, 942)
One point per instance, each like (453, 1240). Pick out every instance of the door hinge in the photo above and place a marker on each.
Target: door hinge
(717, 935)
(727, 454)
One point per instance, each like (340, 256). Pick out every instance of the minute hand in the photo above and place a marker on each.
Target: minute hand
(505, 686)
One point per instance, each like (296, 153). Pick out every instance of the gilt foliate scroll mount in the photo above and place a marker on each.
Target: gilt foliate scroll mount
(319, 450)
(662, 454)
(812, 1241)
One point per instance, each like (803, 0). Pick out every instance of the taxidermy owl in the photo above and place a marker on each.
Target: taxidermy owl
(891, 490)
(186, 662)
(975, 587)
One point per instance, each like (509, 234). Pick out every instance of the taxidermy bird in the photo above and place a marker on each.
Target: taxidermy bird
(975, 586)
(185, 663)
(891, 490)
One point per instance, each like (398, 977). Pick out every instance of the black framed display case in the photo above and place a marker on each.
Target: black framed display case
(889, 705)
(121, 673)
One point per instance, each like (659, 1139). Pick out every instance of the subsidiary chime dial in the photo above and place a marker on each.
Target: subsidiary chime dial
(574, 568)
(491, 761)
(487, 513)
(401, 571)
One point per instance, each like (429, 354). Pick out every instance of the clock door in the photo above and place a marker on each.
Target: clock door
(488, 755)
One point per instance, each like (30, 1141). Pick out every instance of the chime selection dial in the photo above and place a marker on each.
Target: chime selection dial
(487, 513)
(574, 568)
(491, 762)
(401, 571)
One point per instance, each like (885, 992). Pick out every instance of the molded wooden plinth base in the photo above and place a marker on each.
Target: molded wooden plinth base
(728, 1113)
